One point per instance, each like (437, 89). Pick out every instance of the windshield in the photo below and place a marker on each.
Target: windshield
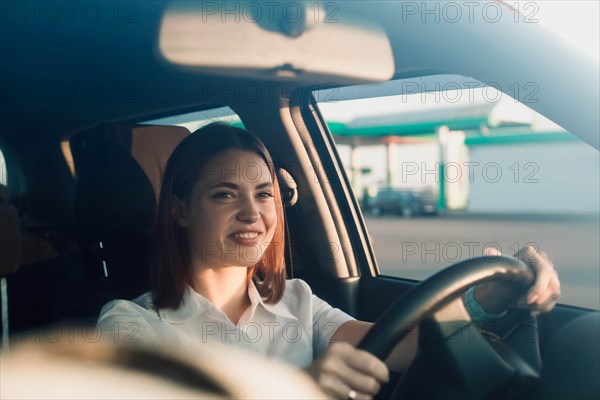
(490, 172)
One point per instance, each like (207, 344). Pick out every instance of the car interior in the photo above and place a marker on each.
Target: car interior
(84, 161)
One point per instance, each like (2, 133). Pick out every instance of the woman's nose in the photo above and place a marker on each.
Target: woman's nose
(248, 211)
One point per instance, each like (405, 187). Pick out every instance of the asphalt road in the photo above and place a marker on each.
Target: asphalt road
(417, 247)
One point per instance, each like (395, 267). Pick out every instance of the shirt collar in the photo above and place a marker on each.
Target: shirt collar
(279, 309)
(194, 304)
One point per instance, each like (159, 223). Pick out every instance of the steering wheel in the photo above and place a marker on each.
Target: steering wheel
(453, 358)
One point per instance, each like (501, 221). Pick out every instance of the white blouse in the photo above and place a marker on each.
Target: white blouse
(296, 330)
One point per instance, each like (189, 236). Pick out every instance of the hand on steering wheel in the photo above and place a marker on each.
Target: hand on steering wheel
(345, 372)
(463, 361)
(542, 296)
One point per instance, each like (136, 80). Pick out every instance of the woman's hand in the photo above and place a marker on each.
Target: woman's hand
(542, 296)
(345, 372)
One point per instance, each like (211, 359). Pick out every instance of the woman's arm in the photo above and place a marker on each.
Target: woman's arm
(494, 297)
(346, 372)
(401, 356)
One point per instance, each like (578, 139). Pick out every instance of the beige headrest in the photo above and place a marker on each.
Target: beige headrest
(151, 146)
(119, 172)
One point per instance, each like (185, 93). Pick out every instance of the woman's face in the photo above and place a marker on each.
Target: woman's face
(230, 216)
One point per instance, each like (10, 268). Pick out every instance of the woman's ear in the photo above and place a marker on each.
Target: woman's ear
(179, 214)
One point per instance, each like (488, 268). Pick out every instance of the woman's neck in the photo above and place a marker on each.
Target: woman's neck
(225, 288)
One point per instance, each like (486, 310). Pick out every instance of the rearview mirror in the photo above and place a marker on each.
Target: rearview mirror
(275, 40)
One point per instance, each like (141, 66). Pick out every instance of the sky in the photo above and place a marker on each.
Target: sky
(575, 21)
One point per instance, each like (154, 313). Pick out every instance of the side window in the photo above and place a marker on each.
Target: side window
(445, 166)
(196, 120)
(3, 171)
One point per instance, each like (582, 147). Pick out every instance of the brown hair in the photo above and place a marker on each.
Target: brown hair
(171, 270)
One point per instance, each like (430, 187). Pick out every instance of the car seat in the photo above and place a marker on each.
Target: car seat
(118, 171)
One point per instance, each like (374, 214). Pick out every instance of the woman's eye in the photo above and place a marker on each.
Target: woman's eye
(223, 195)
(265, 194)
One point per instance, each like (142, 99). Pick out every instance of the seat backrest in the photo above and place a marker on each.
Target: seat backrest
(10, 234)
(119, 169)
(40, 286)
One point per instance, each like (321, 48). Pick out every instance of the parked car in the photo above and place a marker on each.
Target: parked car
(404, 202)
(82, 84)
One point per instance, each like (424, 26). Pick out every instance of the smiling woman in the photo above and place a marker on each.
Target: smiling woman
(219, 270)
(219, 273)
(90, 81)
(218, 183)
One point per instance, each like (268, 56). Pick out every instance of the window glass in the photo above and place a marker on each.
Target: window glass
(3, 172)
(444, 166)
(196, 120)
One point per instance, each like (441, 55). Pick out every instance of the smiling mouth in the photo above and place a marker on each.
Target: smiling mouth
(246, 235)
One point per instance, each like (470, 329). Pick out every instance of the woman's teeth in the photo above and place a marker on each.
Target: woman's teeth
(248, 235)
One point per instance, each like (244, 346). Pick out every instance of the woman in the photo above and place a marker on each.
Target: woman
(219, 273)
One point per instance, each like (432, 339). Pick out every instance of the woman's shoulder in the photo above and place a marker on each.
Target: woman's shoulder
(141, 307)
(297, 288)
(129, 321)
